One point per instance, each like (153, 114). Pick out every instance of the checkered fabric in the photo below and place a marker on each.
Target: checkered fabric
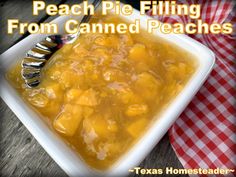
(204, 136)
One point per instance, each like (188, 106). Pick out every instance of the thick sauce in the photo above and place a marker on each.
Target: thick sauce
(101, 92)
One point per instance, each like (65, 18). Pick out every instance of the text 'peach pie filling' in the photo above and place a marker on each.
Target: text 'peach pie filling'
(103, 91)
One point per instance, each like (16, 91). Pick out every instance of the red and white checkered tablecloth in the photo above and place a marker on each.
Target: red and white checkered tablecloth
(204, 136)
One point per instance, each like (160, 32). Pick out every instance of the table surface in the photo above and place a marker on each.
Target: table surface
(21, 154)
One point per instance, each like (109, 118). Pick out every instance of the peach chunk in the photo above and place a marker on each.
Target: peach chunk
(148, 85)
(138, 53)
(53, 91)
(68, 78)
(97, 124)
(72, 95)
(137, 127)
(113, 74)
(39, 100)
(88, 98)
(126, 95)
(51, 110)
(54, 72)
(68, 121)
(87, 111)
(136, 109)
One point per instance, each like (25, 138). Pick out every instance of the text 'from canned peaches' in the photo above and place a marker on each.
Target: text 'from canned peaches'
(76, 11)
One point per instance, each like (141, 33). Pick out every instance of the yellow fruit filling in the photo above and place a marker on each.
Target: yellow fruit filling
(102, 92)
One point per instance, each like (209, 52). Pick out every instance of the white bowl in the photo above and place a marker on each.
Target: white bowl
(59, 151)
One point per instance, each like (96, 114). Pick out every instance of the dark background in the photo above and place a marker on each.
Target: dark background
(134, 3)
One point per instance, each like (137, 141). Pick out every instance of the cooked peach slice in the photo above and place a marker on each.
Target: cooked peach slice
(113, 74)
(72, 95)
(52, 109)
(126, 95)
(136, 110)
(54, 73)
(100, 126)
(53, 91)
(97, 124)
(87, 111)
(147, 85)
(68, 78)
(88, 98)
(138, 53)
(39, 100)
(68, 121)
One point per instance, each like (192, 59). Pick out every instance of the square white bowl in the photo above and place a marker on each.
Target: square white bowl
(66, 158)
